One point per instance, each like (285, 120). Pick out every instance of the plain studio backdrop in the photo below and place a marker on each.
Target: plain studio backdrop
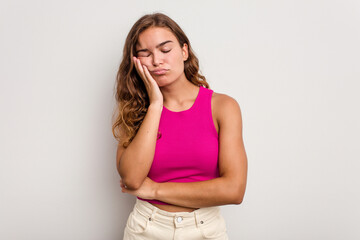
(293, 67)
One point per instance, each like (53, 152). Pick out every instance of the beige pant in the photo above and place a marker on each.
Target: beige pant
(149, 222)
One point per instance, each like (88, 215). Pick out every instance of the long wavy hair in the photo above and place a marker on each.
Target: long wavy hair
(131, 95)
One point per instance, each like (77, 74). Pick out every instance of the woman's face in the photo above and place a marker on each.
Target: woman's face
(159, 50)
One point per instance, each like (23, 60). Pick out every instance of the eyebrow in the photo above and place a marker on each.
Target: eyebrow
(157, 46)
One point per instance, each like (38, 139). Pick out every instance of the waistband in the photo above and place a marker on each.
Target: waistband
(179, 219)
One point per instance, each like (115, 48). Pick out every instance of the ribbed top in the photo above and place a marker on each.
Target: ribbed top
(187, 146)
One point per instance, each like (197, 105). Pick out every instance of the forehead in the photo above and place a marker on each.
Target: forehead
(153, 36)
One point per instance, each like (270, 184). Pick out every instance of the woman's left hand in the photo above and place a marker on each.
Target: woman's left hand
(146, 191)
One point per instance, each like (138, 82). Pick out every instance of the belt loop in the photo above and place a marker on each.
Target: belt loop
(152, 216)
(197, 218)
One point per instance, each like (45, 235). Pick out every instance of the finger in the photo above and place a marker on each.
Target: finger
(140, 69)
(122, 184)
(147, 73)
(136, 65)
(124, 190)
(146, 77)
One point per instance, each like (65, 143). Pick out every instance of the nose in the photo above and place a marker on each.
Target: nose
(156, 59)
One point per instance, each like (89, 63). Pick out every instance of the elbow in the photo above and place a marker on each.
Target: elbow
(238, 200)
(238, 196)
(131, 184)
(131, 181)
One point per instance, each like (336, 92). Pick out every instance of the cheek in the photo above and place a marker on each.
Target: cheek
(145, 61)
(175, 59)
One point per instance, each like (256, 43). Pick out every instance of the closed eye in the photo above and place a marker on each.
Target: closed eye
(162, 51)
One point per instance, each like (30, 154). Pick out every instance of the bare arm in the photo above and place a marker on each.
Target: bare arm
(134, 162)
(229, 188)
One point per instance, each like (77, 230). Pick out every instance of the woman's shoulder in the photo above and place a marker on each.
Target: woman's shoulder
(222, 100)
(224, 106)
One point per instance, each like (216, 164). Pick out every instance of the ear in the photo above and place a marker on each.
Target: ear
(185, 51)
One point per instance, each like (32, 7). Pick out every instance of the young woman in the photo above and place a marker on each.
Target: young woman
(180, 151)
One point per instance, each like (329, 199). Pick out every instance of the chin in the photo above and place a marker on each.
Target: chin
(163, 82)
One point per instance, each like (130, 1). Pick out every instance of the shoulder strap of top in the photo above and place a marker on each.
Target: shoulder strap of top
(206, 96)
(205, 106)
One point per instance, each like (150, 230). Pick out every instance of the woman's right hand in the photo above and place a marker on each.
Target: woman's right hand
(153, 90)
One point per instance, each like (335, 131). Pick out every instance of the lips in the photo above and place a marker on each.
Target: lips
(159, 71)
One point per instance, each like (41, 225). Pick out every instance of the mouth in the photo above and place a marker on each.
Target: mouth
(159, 71)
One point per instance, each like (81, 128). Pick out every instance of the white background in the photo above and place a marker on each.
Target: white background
(293, 67)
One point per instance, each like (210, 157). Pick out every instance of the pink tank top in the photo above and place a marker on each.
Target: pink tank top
(187, 145)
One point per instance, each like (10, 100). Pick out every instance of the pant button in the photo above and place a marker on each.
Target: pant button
(179, 219)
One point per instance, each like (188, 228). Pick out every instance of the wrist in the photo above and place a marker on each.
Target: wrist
(156, 106)
(156, 190)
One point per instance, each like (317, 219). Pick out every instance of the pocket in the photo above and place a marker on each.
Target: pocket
(137, 223)
(214, 228)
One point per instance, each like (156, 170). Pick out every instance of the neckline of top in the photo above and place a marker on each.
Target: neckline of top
(189, 109)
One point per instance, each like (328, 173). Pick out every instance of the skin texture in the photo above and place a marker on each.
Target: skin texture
(169, 56)
(177, 93)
